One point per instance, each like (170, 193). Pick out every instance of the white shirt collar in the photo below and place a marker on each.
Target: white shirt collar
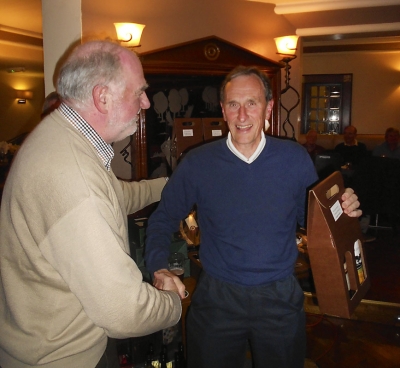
(355, 143)
(254, 156)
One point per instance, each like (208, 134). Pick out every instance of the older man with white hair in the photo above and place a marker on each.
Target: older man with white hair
(67, 280)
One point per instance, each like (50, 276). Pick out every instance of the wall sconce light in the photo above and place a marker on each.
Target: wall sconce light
(22, 96)
(287, 47)
(129, 34)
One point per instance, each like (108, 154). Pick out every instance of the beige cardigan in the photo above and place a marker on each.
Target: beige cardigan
(67, 280)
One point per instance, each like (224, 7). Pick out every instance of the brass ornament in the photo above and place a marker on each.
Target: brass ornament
(211, 51)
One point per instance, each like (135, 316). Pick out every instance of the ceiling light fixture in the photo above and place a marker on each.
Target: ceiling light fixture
(287, 47)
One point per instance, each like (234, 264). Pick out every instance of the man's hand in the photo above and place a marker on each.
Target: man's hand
(165, 280)
(350, 203)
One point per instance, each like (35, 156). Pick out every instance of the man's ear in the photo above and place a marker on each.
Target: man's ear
(268, 111)
(223, 111)
(101, 98)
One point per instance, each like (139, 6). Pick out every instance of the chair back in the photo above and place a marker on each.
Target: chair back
(377, 184)
(326, 163)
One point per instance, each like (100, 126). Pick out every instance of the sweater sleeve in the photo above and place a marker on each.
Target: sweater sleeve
(104, 279)
(138, 195)
(309, 177)
(177, 200)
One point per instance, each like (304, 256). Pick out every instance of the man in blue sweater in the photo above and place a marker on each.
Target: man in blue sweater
(250, 192)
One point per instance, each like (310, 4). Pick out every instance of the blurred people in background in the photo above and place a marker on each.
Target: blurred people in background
(311, 146)
(351, 150)
(390, 148)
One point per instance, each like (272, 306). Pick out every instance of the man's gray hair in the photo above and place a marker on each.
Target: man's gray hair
(90, 64)
(247, 70)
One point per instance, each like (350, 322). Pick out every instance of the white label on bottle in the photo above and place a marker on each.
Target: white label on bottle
(187, 132)
(336, 210)
(358, 259)
(191, 222)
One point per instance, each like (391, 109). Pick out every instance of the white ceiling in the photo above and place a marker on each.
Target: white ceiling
(316, 21)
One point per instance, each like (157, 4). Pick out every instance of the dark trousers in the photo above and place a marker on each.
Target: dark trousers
(224, 317)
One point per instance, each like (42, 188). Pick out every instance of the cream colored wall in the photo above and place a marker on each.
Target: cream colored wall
(62, 26)
(376, 85)
(251, 25)
(16, 118)
(248, 24)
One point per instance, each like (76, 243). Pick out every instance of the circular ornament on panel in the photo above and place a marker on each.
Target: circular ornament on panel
(211, 51)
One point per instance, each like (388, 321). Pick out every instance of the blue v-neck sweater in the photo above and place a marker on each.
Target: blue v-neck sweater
(247, 213)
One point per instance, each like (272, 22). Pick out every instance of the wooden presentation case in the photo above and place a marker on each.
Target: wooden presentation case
(331, 239)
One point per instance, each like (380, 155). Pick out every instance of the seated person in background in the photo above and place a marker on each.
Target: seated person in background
(390, 148)
(351, 150)
(312, 148)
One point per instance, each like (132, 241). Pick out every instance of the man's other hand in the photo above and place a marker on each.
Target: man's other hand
(350, 203)
(165, 280)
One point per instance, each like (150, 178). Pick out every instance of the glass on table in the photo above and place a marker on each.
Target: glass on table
(176, 264)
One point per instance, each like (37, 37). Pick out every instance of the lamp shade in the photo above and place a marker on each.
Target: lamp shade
(27, 95)
(286, 45)
(129, 33)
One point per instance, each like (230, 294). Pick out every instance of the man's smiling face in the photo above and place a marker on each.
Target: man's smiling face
(245, 109)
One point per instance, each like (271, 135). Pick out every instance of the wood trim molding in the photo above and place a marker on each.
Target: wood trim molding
(16, 38)
(387, 46)
(140, 148)
(293, 7)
